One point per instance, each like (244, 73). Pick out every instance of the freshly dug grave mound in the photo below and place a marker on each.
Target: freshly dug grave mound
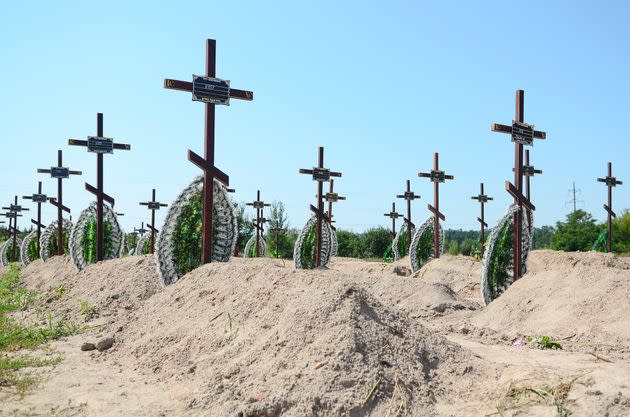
(111, 287)
(260, 339)
(583, 297)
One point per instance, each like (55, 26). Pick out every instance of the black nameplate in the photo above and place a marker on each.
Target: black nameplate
(100, 145)
(14, 207)
(211, 90)
(394, 215)
(611, 181)
(39, 198)
(483, 198)
(409, 195)
(59, 172)
(259, 204)
(332, 197)
(153, 205)
(10, 215)
(437, 176)
(522, 133)
(528, 170)
(321, 174)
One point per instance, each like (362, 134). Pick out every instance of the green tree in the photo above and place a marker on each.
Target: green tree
(349, 244)
(278, 219)
(245, 227)
(579, 232)
(466, 247)
(453, 248)
(621, 232)
(543, 236)
(374, 242)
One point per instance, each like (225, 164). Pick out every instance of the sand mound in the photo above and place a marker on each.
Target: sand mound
(581, 296)
(262, 339)
(112, 287)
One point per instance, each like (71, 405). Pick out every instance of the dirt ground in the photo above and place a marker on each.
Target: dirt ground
(255, 337)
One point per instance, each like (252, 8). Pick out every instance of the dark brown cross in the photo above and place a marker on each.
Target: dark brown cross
(332, 197)
(153, 205)
(276, 229)
(529, 171)
(436, 176)
(142, 230)
(522, 134)
(15, 210)
(39, 199)
(211, 91)
(393, 215)
(99, 145)
(610, 182)
(409, 196)
(259, 205)
(321, 175)
(60, 173)
(482, 199)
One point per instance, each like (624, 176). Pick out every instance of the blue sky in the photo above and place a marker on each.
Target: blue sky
(382, 85)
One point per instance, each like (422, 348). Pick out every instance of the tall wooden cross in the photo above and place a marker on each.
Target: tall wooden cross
(409, 196)
(15, 210)
(321, 175)
(393, 215)
(142, 230)
(259, 205)
(60, 173)
(482, 199)
(522, 134)
(99, 145)
(436, 176)
(610, 182)
(332, 197)
(529, 171)
(38, 198)
(212, 91)
(153, 205)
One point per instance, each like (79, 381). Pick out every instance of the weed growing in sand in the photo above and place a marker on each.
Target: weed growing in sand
(15, 335)
(13, 297)
(521, 397)
(60, 290)
(87, 310)
(230, 328)
(12, 372)
(546, 342)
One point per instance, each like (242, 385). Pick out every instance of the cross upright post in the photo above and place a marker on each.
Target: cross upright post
(482, 199)
(321, 175)
(15, 210)
(610, 182)
(393, 215)
(259, 205)
(522, 134)
(39, 199)
(153, 205)
(436, 176)
(409, 196)
(332, 197)
(529, 171)
(212, 91)
(99, 145)
(60, 173)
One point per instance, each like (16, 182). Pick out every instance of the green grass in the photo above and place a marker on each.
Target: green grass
(524, 396)
(87, 310)
(546, 342)
(13, 296)
(14, 375)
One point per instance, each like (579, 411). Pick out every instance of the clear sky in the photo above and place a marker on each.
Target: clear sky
(382, 85)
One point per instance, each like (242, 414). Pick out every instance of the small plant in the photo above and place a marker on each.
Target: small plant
(12, 374)
(545, 342)
(87, 310)
(230, 329)
(60, 290)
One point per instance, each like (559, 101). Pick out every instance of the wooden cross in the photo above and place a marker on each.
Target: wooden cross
(522, 134)
(259, 205)
(393, 215)
(99, 145)
(276, 229)
(60, 173)
(211, 91)
(332, 197)
(142, 230)
(529, 171)
(14, 210)
(39, 199)
(153, 205)
(436, 176)
(409, 196)
(610, 182)
(321, 175)
(482, 199)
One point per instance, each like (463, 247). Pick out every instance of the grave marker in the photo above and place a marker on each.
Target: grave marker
(153, 205)
(436, 176)
(409, 196)
(38, 198)
(99, 145)
(332, 197)
(60, 173)
(522, 134)
(259, 205)
(482, 199)
(321, 175)
(393, 215)
(211, 91)
(14, 213)
(610, 182)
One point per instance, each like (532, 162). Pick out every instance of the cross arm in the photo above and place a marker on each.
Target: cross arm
(513, 191)
(79, 142)
(54, 202)
(153, 228)
(171, 84)
(95, 191)
(497, 127)
(436, 212)
(205, 166)
(36, 223)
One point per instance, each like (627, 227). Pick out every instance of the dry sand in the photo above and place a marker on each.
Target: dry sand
(255, 337)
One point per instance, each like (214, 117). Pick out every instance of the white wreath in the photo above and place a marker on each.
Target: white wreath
(334, 243)
(252, 243)
(492, 239)
(326, 240)
(49, 232)
(426, 227)
(30, 238)
(77, 251)
(225, 232)
(4, 250)
(401, 231)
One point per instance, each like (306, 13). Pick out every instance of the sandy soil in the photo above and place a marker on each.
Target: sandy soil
(255, 337)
